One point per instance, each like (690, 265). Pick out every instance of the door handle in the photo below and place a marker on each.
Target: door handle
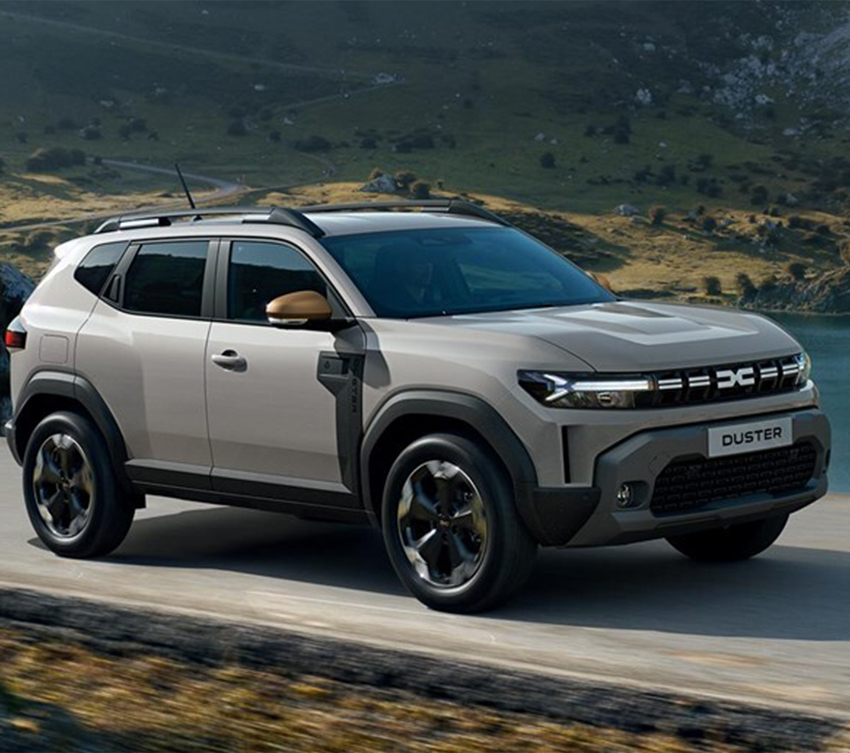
(230, 360)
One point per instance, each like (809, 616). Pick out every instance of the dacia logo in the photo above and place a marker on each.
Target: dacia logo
(743, 377)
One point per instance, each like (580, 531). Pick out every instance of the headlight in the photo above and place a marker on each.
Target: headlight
(805, 365)
(557, 390)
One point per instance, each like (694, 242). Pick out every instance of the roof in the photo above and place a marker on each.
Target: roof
(350, 223)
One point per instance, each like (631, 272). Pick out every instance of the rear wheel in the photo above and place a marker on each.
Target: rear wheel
(732, 543)
(70, 488)
(451, 527)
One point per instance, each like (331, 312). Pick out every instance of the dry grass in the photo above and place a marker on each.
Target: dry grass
(58, 693)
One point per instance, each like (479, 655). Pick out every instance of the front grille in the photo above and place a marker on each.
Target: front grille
(728, 382)
(687, 485)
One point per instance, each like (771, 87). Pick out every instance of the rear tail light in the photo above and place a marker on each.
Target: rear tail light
(16, 336)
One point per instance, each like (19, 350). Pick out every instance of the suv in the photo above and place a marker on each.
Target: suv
(435, 372)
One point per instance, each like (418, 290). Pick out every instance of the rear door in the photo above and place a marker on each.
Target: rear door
(143, 350)
(283, 404)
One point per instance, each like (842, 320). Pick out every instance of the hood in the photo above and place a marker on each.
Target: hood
(623, 336)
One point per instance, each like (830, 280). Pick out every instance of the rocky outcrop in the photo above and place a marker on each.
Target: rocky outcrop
(15, 288)
(380, 184)
(828, 293)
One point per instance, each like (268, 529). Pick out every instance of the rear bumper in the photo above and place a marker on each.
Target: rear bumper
(590, 516)
(9, 431)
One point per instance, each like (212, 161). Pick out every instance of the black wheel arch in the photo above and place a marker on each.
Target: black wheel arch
(411, 414)
(50, 391)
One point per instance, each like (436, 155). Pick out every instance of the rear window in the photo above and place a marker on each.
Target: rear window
(167, 279)
(93, 271)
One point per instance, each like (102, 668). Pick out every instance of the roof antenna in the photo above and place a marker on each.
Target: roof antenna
(185, 187)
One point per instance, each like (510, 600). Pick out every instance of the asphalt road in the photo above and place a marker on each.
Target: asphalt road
(773, 630)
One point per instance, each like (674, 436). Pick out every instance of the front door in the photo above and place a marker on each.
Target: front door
(283, 404)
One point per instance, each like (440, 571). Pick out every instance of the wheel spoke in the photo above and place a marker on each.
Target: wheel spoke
(428, 547)
(421, 507)
(55, 505)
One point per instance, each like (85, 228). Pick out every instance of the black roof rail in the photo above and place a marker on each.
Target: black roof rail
(451, 206)
(271, 215)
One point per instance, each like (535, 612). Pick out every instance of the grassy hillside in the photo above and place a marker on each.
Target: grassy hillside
(738, 108)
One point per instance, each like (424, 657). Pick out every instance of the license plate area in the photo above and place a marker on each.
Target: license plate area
(751, 436)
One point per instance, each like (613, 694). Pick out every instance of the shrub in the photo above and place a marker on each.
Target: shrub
(313, 144)
(657, 215)
(49, 129)
(704, 160)
(2, 165)
(666, 176)
(91, 133)
(124, 132)
(746, 287)
(274, 136)
(709, 224)
(823, 230)
(621, 137)
(795, 221)
(420, 190)
(21, 137)
(547, 160)
(138, 125)
(797, 270)
(844, 250)
(66, 124)
(236, 128)
(405, 178)
(712, 285)
(54, 158)
(590, 131)
(368, 143)
(376, 173)
(759, 195)
(236, 112)
(768, 284)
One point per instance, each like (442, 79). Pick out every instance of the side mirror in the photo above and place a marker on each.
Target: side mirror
(299, 308)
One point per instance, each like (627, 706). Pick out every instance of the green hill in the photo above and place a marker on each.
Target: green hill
(576, 107)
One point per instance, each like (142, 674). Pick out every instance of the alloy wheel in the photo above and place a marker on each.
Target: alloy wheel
(63, 483)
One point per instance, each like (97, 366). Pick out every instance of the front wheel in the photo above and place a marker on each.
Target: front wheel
(72, 494)
(732, 543)
(451, 526)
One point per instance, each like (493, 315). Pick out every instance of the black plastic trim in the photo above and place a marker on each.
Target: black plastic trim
(79, 389)
(561, 513)
(478, 415)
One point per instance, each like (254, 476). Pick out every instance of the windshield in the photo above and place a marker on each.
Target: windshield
(433, 272)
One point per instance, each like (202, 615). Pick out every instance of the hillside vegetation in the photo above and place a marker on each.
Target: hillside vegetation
(723, 124)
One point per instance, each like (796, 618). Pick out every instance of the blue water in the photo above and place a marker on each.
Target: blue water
(827, 340)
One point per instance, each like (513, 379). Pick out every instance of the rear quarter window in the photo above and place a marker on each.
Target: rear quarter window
(94, 270)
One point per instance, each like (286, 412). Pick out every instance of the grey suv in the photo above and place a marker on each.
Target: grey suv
(435, 372)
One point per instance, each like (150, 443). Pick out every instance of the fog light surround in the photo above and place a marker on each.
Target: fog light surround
(626, 496)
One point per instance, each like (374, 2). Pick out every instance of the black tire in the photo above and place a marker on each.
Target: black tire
(109, 513)
(507, 554)
(732, 543)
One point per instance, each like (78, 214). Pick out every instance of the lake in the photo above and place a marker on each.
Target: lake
(827, 340)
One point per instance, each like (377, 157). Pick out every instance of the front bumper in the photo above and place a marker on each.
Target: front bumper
(590, 516)
(9, 431)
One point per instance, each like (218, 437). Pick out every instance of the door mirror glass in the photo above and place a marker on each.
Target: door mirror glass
(299, 308)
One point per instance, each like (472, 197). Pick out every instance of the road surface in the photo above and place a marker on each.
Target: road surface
(774, 630)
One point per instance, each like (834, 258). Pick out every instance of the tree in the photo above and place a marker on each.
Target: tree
(746, 287)
(274, 136)
(656, 215)
(405, 178)
(547, 160)
(709, 225)
(797, 270)
(421, 190)
(712, 285)
(2, 165)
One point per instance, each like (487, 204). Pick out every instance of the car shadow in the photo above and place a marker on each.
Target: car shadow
(787, 593)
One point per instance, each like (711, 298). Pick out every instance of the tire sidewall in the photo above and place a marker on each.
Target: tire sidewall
(496, 495)
(94, 447)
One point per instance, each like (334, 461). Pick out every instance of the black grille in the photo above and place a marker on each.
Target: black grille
(728, 382)
(690, 484)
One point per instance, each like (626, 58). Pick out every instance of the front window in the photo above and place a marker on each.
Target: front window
(445, 271)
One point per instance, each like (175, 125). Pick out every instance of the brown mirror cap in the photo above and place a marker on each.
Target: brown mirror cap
(301, 306)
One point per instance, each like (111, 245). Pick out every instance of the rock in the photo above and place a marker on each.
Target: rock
(381, 184)
(626, 210)
(540, 137)
(791, 200)
(827, 293)
(15, 288)
(643, 97)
